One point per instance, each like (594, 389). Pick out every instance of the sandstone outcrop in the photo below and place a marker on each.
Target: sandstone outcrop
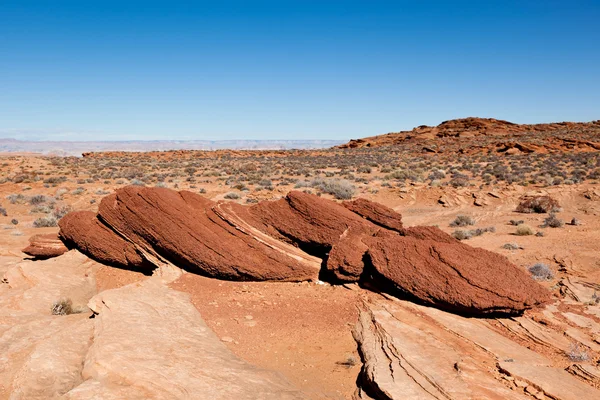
(45, 246)
(415, 352)
(296, 238)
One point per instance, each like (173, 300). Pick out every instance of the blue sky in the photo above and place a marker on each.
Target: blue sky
(82, 70)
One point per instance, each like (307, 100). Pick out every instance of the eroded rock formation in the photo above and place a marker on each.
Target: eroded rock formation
(45, 246)
(296, 238)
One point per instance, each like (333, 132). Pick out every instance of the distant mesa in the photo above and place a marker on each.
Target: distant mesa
(297, 238)
(489, 127)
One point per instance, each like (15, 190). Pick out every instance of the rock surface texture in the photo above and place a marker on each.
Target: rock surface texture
(45, 246)
(146, 341)
(416, 352)
(296, 238)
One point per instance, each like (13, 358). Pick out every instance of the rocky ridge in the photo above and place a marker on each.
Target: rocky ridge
(297, 238)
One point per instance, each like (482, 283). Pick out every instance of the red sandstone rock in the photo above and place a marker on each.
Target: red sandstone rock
(82, 230)
(182, 228)
(453, 276)
(345, 262)
(281, 240)
(376, 213)
(45, 246)
(313, 223)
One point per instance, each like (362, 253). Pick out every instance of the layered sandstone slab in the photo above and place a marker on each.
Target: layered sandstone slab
(181, 228)
(416, 352)
(151, 342)
(45, 246)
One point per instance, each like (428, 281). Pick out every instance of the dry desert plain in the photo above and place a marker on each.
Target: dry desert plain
(77, 326)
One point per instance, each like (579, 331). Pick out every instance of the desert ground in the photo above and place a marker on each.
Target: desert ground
(74, 327)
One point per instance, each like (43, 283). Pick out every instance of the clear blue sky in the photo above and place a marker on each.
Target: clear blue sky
(88, 70)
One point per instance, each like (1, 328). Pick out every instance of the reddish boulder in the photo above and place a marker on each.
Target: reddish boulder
(453, 276)
(313, 223)
(82, 230)
(376, 213)
(346, 258)
(45, 246)
(183, 229)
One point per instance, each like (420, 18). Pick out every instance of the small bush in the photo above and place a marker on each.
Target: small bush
(541, 272)
(464, 235)
(552, 221)
(14, 221)
(62, 307)
(461, 234)
(462, 220)
(16, 198)
(46, 222)
(232, 196)
(61, 211)
(3, 212)
(137, 182)
(538, 205)
(38, 199)
(524, 230)
(577, 353)
(516, 222)
(511, 246)
(339, 188)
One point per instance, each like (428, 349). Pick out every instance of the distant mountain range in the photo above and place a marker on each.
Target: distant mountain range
(69, 148)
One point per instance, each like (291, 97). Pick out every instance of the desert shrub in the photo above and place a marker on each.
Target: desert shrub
(552, 221)
(541, 272)
(516, 222)
(538, 204)
(16, 198)
(460, 181)
(38, 199)
(14, 221)
(62, 307)
(61, 211)
(464, 234)
(338, 188)
(437, 175)
(46, 222)
(232, 196)
(524, 230)
(577, 353)
(511, 246)
(137, 182)
(462, 220)
(78, 191)
(44, 208)
(3, 212)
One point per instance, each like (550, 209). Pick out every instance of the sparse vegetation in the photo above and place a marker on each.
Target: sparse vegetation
(577, 353)
(468, 234)
(538, 205)
(338, 188)
(540, 271)
(524, 230)
(552, 221)
(232, 196)
(511, 246)
(46, 222)
(462, 220)
(62, 307)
